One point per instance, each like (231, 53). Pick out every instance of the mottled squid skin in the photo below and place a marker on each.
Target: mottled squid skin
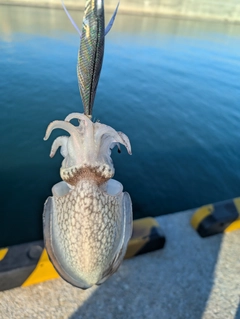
(88, 221)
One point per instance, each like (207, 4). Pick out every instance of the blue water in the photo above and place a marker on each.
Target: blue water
(171, 85)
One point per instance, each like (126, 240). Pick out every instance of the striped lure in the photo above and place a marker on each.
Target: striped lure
(90, 54)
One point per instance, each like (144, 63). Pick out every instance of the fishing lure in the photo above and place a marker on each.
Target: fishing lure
(88, 220)
(91, 51)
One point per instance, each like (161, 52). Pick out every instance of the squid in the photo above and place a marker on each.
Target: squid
(88, 220)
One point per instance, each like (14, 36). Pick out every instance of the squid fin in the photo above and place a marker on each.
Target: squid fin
(54, 254)
(127, 212)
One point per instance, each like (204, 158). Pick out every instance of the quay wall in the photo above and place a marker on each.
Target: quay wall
(220, 10)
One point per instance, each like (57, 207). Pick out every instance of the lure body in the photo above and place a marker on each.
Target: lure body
(88, 220)
(90, 54)
(91, 51)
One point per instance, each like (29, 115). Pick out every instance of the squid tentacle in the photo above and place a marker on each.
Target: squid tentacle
(71, 129)
(106, 130)
(60, 141)
(116, 137)
(126, 142)
(78, 116)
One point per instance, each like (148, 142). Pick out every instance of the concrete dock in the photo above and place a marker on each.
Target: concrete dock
(191, 278)
(213, 10)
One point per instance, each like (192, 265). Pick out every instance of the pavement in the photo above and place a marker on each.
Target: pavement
(191, 278)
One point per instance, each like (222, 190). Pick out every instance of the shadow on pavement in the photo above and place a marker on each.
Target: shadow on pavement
(237, 316)
(175, 282)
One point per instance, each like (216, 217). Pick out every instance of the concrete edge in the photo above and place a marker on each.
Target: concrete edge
(27, 264)
(217, 218)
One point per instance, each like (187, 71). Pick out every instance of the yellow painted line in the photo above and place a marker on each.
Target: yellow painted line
(236, 224)
(141, 231)
(200, 214)
(134, 246)
(3, 253)
(237, 204)
(44, 271)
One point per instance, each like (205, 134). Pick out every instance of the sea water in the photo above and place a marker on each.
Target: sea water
(172, 86)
